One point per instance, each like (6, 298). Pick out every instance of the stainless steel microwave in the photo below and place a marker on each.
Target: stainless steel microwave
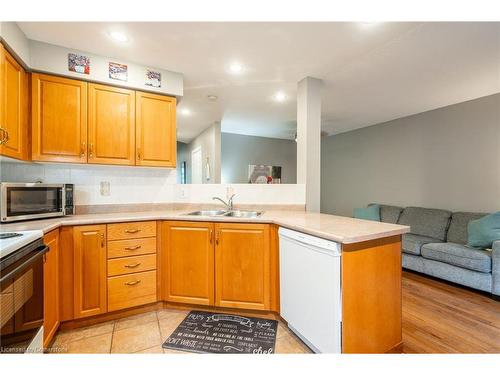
(27, 201)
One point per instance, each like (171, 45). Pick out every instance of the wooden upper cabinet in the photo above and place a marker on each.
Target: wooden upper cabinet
(59, 119)
(13, 108)
(51, 287)
(111, 125)
(155, 130)
(242, 266)
(89, 269)
(188, 262)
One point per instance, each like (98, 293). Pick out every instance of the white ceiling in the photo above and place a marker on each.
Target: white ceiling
(371, 72)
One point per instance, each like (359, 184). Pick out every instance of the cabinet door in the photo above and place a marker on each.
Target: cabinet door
(189, 262)
(111, 130)
(89, 270)
(155, 130)
(59, 119)
(51, 287)
(14, 112)
(242, 266)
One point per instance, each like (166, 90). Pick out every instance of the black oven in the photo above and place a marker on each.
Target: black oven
(25, 201)
(21, 299)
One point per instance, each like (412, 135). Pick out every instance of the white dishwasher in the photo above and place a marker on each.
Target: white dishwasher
(310, 295)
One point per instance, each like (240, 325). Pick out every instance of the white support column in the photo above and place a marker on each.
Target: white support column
(309, 140)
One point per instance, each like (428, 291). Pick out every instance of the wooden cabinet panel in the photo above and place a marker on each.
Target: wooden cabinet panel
(111, 125)
(14, 108)
(155, 130)
(126, 248)
(59, 119)
(131, 290)
(51, 287)
(123, 231)
(242, 266)
(89, 270)
(122, 266)
(66, 274)
(188, 253)
(371, 296)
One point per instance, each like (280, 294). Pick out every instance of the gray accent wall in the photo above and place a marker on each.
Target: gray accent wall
(446, 158)
(239, 151)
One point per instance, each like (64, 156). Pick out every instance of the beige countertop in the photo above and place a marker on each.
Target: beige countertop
(336, 228)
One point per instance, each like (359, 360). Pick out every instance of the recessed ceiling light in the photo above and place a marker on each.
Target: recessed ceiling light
(212, 98)
(280, 96)
(236, 68)
(185, 112)
(116, 35)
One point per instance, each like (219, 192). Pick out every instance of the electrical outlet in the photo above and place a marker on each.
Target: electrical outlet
(183, 193)
(104, 188)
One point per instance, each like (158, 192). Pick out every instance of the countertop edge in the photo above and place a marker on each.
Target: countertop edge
(53, 224)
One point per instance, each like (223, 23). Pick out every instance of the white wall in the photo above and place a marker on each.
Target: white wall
(54, 59)
(446, 158)
(16, 40)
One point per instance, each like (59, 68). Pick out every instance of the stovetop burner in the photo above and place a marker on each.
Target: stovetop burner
(9, 235)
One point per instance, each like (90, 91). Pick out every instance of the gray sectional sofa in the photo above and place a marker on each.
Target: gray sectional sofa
(436, 246)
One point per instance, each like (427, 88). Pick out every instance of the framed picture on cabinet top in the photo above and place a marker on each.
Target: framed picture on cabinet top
(153, 78)
(118, 71)
(78, 63)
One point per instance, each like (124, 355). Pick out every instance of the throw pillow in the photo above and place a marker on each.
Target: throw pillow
(368, 213)
(484, 231)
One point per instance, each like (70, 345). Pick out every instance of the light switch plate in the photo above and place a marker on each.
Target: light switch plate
(104, 188)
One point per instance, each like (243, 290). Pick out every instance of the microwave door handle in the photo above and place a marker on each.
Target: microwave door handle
(39, 253)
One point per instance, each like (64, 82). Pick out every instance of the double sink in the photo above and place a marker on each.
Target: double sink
(226, 213)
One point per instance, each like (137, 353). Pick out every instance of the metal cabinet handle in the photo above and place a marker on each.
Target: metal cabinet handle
(217, 234)
(5, 137)
(102, 239)
(133, 248)
(211, 236)
(82, 151)
(135, 282)
(138, 154)
(131, 231)
(132, 265)
(91, 151)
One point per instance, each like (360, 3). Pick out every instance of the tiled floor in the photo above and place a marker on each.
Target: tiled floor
(144, 333)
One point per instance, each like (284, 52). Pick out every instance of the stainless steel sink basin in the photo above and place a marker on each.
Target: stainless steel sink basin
(208, 213)
(244, 214)
(234, 213)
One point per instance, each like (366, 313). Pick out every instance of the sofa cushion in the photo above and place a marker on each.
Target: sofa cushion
(412, 243)
(484, 231)
(457, 233)
(389, 214)
(458, 255)
(427, 222)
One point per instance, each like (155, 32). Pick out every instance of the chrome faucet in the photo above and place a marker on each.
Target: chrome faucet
(228, 204)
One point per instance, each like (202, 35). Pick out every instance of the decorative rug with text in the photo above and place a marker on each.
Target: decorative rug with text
(205, 332)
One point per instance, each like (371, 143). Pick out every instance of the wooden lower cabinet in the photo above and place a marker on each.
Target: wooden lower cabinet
(242, 266)
(131, 290)
(51, 287)
(89, 269)
(188, 249)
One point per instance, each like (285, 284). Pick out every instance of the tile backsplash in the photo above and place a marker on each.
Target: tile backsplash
(129, 185)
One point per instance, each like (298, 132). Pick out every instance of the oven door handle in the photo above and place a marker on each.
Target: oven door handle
(39, 253)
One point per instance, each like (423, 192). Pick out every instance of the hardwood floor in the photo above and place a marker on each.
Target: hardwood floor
(442, 318)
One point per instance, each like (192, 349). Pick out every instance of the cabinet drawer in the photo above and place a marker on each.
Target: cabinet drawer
(126, 248)
(131, 290)
(123, 231)
(123, 266)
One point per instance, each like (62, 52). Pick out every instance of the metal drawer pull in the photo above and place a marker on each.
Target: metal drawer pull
(132, 230)
(132, 265)
(135, 282)
(133, 247)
